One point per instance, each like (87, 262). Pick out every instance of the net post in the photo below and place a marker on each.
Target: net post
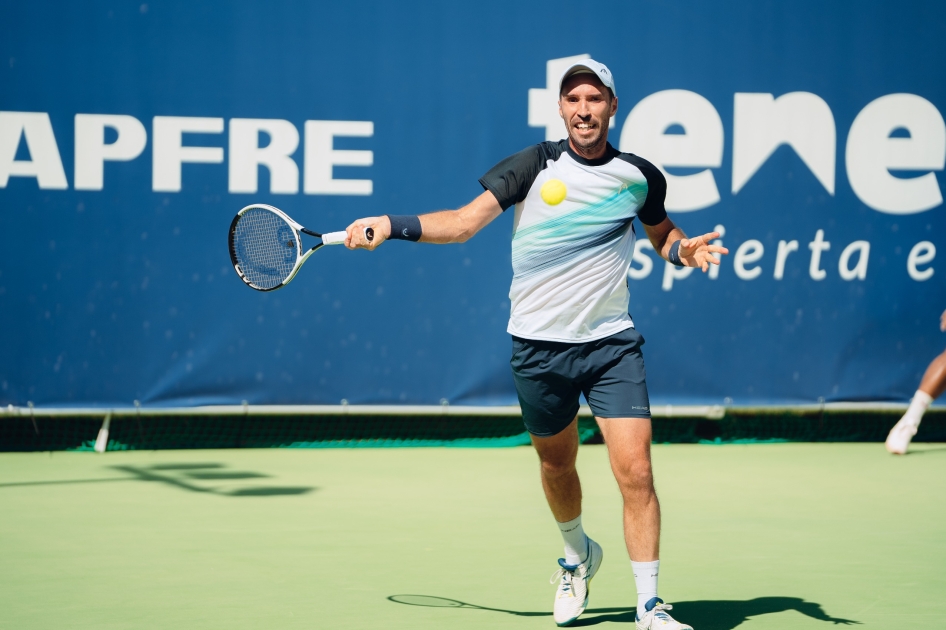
(243, 421)
(32, 417)
(101, 442)
(141, 431)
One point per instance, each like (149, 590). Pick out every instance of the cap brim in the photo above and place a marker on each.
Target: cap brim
(580, 68)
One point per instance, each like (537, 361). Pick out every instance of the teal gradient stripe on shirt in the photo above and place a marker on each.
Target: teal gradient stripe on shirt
(568, 250)
(571, 236)
(608, 209)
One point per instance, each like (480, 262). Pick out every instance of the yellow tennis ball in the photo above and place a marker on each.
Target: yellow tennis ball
(553, 192)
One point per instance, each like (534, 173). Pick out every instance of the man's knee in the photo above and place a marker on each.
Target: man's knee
(558, 466)
(634, 477)
(557, 453)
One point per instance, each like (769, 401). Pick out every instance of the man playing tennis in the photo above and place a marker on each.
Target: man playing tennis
(573, 238)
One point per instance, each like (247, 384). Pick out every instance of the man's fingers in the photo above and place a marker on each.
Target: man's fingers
(363, 241)
(699, 241)
(356, 237)
(717, 249)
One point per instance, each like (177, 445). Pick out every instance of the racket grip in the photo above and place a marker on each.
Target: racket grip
(337, 238)
(334, 238)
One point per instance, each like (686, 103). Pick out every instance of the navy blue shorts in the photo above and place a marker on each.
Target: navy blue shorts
(550, 375)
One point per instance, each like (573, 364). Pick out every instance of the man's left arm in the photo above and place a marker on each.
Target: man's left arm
(672, 244)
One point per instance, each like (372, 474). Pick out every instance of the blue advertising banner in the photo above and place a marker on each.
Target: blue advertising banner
(809, 134)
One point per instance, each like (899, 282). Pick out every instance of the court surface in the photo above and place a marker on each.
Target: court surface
(764, 536)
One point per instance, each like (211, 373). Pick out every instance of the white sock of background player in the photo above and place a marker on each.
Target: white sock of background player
(921, 400)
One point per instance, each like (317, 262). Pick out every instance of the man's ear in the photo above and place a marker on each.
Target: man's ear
(614, 106)
(560, 113)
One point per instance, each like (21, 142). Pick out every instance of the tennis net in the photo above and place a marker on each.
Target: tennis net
(23, 431)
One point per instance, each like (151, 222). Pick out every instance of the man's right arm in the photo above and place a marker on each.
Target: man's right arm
(446, 226)
(506, 184)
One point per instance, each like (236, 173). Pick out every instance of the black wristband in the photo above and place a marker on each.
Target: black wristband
(674, 254)
(405, 227)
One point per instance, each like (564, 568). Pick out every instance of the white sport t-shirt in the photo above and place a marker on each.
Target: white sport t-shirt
(570, 260)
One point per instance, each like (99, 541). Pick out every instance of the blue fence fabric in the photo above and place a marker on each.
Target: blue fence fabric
(130, 135)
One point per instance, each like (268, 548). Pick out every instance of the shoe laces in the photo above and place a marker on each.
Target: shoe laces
(565, 576)
(660, 608)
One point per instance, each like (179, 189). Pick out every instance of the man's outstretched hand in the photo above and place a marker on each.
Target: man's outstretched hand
(356, 232)
(697, 251)
(942, 321)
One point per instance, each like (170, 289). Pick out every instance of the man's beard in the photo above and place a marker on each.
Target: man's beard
(590, 144)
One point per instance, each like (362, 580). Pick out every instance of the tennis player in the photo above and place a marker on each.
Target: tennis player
(931, 387)
(573, 237)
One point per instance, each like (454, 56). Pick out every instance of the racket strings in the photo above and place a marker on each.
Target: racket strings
(266, 247)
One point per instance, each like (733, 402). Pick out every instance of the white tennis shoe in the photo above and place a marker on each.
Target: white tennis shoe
(571, 598)
(656, 617)
(898, 440)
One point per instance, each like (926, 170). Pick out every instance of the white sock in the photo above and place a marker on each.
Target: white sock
(921, 400)
(645, 577)
(576, 542)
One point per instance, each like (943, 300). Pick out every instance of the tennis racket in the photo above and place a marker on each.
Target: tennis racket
(266, 246)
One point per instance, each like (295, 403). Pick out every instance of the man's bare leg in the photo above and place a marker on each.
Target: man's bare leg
(934, 380)
(557, 455)
(931, 388)
(628, 441)
(932, 385)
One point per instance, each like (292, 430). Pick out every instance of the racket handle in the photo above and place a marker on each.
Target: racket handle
(334, 238)
(337, 238)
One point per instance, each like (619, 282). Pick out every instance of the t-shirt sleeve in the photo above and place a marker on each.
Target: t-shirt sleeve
(511, 179)
(653, 211)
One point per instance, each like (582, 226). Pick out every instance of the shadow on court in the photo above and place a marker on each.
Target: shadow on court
(923, 451)
(709, 614)
(204, 478)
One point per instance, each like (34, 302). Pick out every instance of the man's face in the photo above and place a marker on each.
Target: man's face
(586, 106)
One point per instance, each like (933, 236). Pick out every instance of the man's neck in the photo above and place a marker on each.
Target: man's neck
(597, 152)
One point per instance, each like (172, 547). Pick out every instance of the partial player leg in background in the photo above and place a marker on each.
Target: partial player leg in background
(931, 387)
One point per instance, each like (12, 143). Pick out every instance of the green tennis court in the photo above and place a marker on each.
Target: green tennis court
(755, 537)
